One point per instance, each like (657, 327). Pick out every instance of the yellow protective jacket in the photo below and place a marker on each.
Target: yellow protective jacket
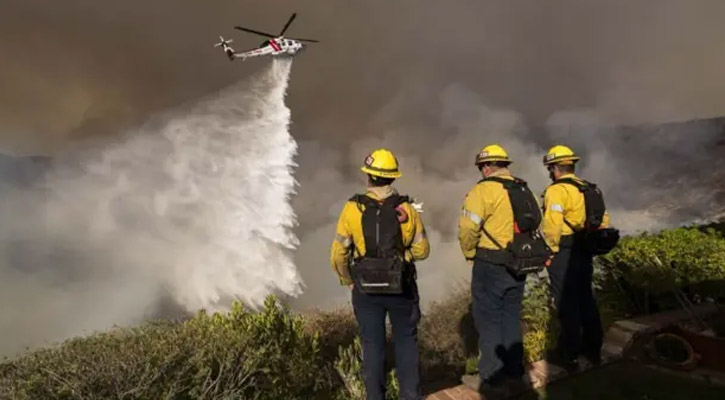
(564, 202)
(486, 205)
(350, 242)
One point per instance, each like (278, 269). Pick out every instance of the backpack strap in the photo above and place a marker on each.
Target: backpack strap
(363, 200)
(571, 226)
(488, 235)
(581, 186)
(368, 201)
(507, 184)
(398, 199)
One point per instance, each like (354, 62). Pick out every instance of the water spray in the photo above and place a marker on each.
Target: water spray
(193, 205)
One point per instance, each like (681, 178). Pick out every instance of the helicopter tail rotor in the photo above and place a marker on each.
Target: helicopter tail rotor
(223, 42)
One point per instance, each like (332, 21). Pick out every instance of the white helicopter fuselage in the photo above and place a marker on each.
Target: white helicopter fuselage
(281, 45)
(273, 47)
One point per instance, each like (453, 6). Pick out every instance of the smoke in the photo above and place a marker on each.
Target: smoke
(432, 81)
(436, 158)
(192, 206)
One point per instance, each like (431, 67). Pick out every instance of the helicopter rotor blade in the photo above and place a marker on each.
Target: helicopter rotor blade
(255, 32)
(305, 40)
(294, 15)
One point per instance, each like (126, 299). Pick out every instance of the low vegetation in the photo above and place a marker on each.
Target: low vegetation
(243, 354)
(642, 273)
(275, 353)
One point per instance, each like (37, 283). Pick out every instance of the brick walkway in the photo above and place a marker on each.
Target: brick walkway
(460, 392)
(538, 374)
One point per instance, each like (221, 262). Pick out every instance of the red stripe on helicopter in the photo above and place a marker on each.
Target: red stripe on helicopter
(274, 45)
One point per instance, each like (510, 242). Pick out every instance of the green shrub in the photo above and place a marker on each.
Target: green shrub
(244, 354)
(540, 328)
(644, 270)
(672, 258)
(471, 365)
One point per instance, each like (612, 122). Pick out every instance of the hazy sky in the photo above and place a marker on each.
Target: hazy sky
(84, 68)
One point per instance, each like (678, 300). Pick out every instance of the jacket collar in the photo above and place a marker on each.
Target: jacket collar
(568, 176)
(500, 173)
(380, 192)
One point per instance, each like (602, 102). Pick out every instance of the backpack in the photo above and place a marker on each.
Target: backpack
(381, 269)
(598, 240)
(528, 252)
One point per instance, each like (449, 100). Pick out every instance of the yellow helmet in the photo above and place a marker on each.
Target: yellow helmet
(560, 155)
(492, 153)
(381, 163)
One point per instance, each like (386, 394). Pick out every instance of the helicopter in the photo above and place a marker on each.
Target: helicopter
(276, 45)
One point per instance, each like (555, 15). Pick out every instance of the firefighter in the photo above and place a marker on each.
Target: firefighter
(486, 225)
(382, 226)
(571, 269)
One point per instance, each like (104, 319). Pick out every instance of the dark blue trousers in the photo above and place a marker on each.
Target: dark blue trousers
(497, 297)
(404, 312)
(571, 283)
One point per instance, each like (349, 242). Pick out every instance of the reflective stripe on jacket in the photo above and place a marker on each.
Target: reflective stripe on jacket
(564, 202)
